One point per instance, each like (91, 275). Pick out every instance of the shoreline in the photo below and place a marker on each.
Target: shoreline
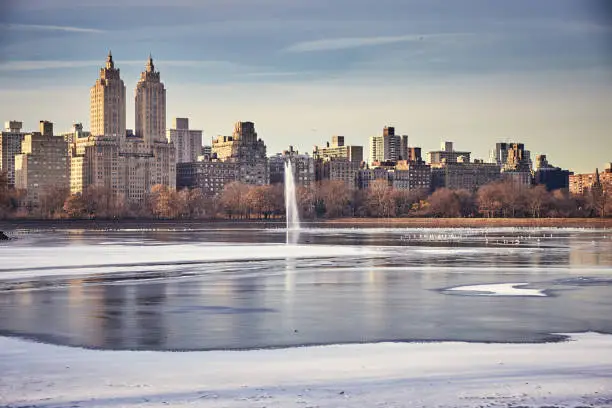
(565, 374)
(29, 224)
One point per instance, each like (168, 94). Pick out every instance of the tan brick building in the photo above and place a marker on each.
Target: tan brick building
(42, 166)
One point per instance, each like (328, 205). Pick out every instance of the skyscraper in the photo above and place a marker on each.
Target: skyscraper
(107, 102)
(126, 166)
(10, 145)
(188, 142)
(150, 105)
(388, 147)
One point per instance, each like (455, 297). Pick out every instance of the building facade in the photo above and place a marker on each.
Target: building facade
(409, 175)
(10, 146)
(366, 177)
(338, 150)
(107, 102)
(553, 178)
(244, 148)
(468, 176)
(127, 165)
(581, 183)
(42, 166)
(303, 167)
(150, 104)
(388, 146)
(187, 142)
(446, 155)
(209, 175)
(337, 169)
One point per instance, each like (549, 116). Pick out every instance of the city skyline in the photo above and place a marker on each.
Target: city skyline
(475, 73)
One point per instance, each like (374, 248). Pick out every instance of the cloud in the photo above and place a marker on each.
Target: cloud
(332, 44)
(38, 27)
(34, 65)
(38, 65)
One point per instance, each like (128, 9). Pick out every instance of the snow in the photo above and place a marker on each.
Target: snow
(499, 289)
(18, 262)
(572, 373)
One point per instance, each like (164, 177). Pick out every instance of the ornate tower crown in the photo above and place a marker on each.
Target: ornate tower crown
(150, 67)
(109, 61)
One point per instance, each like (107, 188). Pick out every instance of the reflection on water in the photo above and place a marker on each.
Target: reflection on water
(393, 291)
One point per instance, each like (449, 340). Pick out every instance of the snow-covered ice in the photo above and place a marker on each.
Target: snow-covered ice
(89, 259)
(566, 374)
(499, 289)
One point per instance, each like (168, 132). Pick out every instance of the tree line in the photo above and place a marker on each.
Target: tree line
(325, 199)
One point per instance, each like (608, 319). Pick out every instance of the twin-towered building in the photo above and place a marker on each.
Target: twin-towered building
(125, 164)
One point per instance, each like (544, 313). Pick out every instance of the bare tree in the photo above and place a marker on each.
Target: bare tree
(537, 198)
(335, 197)
(380, 201)
(51, 201)
(234, 200)
(75, 206)
(490, 199)
(444, 203)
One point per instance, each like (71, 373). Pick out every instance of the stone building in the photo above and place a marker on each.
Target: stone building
(187, 142)
(337, 169)
(409, 175)
(446, 155)
(125, 164)
(303, 167)
(10, 146)
(468, 176)
(338, 150)
(244, 148)
(366, 177)
(554, 178)
(209, 175)
(77, 132)
(150, 98)
(107, 102)
(42, 165)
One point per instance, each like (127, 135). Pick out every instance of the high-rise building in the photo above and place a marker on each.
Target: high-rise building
(76, 133)
(515, 162)
(42, 166)
(10, 146)
(150, 105)
(125, 164)
(388, 146)
(519, 156)
(446, 155)
(107, 102)
(245, 148)
(338, 150)
(187, 142)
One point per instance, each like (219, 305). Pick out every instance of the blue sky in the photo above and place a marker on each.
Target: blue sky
(471, 71)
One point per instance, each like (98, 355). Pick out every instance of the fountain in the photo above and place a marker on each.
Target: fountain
(291, 208)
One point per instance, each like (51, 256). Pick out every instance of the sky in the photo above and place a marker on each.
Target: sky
(474, 72)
